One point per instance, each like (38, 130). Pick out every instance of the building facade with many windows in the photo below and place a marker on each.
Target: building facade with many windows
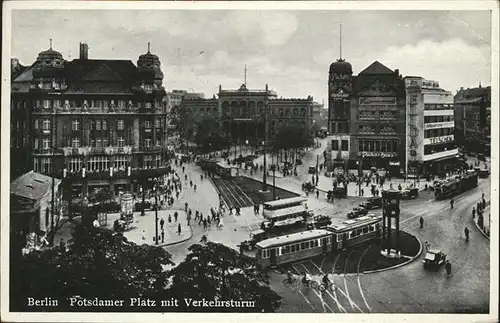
(430, 141)
(473, 119)
(378, 114)
(242, 113)
(94, 123)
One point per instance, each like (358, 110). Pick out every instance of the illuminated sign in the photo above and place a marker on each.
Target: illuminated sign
(377, 100)
(439, 140)
(437, 125)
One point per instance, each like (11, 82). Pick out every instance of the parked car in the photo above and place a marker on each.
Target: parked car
(357, 212)
(312, 169)
(255, 237)
(409, 193)
(372, 203)
(481, 157)
(434, 258)
(484, 173)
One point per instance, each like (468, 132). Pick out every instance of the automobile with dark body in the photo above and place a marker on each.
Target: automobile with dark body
(434, 258)
(318, 221)
(409, 193)
(372, 203)
(357, 212)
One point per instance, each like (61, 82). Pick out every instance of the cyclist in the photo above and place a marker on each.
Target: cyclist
(326, 281)
(289, 276)
(306, 280)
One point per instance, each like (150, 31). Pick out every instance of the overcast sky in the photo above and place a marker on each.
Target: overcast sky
(289, 50)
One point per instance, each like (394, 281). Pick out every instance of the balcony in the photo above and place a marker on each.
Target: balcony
(47, 151)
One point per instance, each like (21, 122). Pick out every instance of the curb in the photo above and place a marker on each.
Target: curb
(480, 230)
(398, 265)
(174, 243)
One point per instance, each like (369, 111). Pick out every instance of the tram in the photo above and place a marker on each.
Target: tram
(456, 185)
(225, 171)
(307, 244)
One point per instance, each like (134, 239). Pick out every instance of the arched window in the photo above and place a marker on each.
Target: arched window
(295, 111)
(303, 112)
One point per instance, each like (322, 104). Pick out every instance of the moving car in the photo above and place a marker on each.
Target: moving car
(409, 193)
(357, 212)
(434, 258)
(147, 206)
(372, 203)
(318, 221)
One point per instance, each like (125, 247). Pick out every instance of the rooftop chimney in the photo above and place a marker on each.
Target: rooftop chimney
(84, 51)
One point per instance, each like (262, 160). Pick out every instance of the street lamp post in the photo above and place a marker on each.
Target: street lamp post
(143, 211)
(156, 214)
(264, 179)
(274, 177)
(359, 162)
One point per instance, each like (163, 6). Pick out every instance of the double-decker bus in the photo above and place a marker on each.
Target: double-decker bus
(286, 212)
(307, 244)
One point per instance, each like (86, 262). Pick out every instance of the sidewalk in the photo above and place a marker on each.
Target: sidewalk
(143, 228)
(485, 230)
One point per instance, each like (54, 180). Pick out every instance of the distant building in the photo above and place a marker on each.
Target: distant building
(175, 97)
(95, 123)
(430, 127)
(241, 112)
(473, 119)
(31, 216)
(320, 116)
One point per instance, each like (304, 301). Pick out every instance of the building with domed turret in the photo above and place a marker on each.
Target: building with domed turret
(339, 96)
(94, 123)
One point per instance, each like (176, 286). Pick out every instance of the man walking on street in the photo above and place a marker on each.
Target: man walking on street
(466, 231)
(421, 222)
(473, 212)
(179, 229)
(317, 194)
(175, 216)
(162, 222)
(162, 235)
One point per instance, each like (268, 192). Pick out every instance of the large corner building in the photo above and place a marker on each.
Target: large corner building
(95, 123)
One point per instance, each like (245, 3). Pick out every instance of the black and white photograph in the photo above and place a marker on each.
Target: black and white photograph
(192, 161)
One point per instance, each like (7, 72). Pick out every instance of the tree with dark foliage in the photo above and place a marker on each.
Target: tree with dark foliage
(216, 272)
(96, 263)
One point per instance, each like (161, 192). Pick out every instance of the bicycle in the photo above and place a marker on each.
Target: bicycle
(322, 286)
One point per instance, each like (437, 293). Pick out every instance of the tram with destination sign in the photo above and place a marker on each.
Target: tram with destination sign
(311, 243)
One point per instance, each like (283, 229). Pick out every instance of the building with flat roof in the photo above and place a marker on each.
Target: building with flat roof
(430, 124)
(473, 119)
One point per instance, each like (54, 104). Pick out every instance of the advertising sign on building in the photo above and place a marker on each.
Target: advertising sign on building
(439, 140)
(377, 100)
(438, 125)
